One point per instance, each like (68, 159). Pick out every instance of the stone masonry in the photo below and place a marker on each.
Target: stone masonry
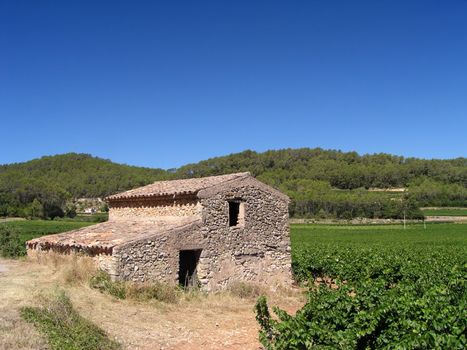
(211, 231)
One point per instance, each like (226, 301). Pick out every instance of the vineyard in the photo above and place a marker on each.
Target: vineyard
(373, 287)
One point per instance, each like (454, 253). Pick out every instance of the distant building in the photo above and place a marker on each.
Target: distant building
(208, 231)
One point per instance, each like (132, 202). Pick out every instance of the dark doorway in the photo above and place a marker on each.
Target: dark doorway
(188, 262)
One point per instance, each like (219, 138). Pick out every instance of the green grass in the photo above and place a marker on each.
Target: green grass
(97, 217)
(435, 234)
(65, 328)
(30, 229)
(445, 212)
(14, 234)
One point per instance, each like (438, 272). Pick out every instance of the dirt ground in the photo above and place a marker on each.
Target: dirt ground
(218, 321)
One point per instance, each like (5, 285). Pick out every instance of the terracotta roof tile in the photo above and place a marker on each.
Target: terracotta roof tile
(185, 186)
(109, 234)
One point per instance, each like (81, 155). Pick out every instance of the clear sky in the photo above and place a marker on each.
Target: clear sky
(164, 83)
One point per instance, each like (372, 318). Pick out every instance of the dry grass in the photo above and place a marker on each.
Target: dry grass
(78, 270)
(17, 334)
(143, 292)
(72, 269)
(197, 321)
(246, 290)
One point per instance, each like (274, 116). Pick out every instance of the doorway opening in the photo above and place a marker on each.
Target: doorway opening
(187, 276)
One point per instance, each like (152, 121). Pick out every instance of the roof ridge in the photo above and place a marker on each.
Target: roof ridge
(178, 186)
(240, 176)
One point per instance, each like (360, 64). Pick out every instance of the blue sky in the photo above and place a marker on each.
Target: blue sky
(164, 83)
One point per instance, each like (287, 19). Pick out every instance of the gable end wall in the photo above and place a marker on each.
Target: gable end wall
(257, 252)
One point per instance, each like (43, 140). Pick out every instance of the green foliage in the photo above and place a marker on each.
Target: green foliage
(102, 282)
(343, 170)
(135, 291)
(65, 329)
(397, 289)
(266, 323)
(35, 210)
(333, 184)
(11, 244)
(54, 180)
(348, 204)
(70, 210)
(321, 183)
(428, 192)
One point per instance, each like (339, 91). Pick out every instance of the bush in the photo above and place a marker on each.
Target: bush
(153, 291)
(245, 290)
(64, 328)
(102, 282)
(403, 290)
(135, 291)
(11, 244)
(370, 315)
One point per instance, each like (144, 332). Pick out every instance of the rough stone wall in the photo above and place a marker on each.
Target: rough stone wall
(107, 263)
(257, 252)
(156, 257)
(146, 211)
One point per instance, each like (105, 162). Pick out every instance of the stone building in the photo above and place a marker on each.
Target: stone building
(210, 231)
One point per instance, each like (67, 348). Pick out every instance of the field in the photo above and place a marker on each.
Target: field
(367, 286)
(365, 236)
(445, 212)
(375, 287)
(30, 229)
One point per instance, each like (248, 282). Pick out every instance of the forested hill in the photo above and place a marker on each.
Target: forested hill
(51, 181)
(320, 182)
(343, 170)
(81, 175)
(335, 184)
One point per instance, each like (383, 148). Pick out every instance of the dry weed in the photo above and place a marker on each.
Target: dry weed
(246, 290)
(72, 269)
(78, 271)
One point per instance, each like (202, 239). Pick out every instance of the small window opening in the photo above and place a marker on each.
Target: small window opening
(188, 263)
(236, 213)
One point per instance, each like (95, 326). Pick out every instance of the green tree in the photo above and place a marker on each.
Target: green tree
(36, 209)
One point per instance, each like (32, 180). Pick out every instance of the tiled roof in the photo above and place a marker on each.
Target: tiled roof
(185, 186)
(105, 236)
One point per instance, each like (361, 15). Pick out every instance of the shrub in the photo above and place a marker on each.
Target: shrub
(64, 328)
(135, 291)
(245, 290)
(401, 291)
(153, 291)
(102, 282)
(11, 244)
(370, 315)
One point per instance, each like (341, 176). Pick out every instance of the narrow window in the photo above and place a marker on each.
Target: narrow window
(236, 213)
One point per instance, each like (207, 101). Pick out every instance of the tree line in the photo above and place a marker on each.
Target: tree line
(320, 183)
